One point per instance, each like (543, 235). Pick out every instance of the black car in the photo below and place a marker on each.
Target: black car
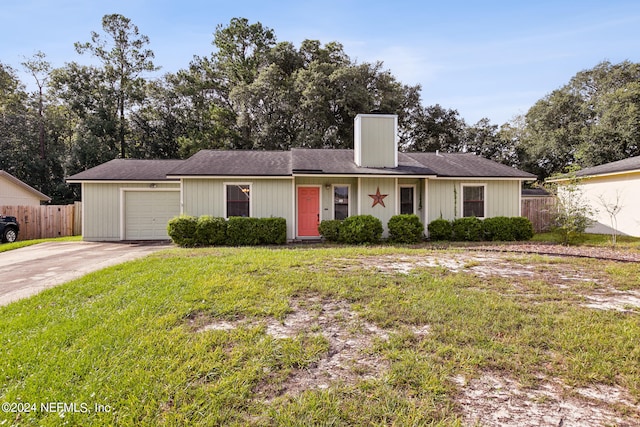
(9, 229)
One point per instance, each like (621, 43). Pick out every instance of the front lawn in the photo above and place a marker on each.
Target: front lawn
(327, 336)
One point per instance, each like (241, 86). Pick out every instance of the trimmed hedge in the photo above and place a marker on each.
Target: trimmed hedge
(440, 229)
(522, 228)
(330, 229)
(211, 231)
(243, 231)
(359, 229)
(190, 231)
(499, 228)
(474, 229)
(405, 229)
(467, 229)
(182, 230)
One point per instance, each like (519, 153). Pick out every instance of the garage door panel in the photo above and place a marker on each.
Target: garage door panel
(148, 212)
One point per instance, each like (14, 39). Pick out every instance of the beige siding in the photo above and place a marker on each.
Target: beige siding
(375, 140)
(620, 189)
(387, 186)
(203, 197)
(14, 195)
(445, 198)
(269, 198)
(102, 209)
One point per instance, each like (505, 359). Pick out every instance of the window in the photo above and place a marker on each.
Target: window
(473, 200)
(238, 200)
(407, 205)
(340, 201)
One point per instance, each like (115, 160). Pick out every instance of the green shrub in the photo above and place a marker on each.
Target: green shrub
(360, 229)
(522, 228)
(242, 231)
(330, 229)
(272, 231)
(405, 229)
(467, 229)
(499, 228)
(211, 231)
(182, 230)
(440, 229)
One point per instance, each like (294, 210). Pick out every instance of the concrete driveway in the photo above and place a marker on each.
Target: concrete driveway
(27, 271)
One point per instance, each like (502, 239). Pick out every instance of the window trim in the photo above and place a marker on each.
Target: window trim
(224, 191)
(484, 194)
(333, 199)
(415, 201)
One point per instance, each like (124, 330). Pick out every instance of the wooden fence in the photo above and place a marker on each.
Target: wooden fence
(539, 210)
(41, 222)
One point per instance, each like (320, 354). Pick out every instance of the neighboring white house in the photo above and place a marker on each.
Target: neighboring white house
(608, 185)
(133, 199)
(14, 192)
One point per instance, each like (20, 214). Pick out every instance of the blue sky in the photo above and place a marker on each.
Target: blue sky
(491, 59)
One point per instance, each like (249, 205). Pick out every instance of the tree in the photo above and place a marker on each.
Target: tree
(93, 110)
(39, 68)
(573, 213)
(124, 56)
(436, 128)
(594, 119)
(613, 208)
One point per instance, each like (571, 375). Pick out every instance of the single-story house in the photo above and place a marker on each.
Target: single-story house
(134, 199)
(608, 185)
(14, 192)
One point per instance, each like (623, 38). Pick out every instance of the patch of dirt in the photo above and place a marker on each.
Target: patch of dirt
(595, 252)
(511, 266)
(350, 338)
(494, 399)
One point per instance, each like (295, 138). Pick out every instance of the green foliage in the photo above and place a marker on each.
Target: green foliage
(182, 230)
(591, 120)
(505, 229)
(405, 229)
(499, 228)
(522, 228)
(440, 229)
(467, 229)
(243, 231)
(211, 231)
(272, 231)
(188, 231)
(573, 212)
(330, 229)
(359, 229)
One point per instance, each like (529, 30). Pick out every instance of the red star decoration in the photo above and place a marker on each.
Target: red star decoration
(378, 198)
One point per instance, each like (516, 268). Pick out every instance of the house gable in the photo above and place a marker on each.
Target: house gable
(14, 192)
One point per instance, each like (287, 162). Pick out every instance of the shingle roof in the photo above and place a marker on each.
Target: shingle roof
(297, 162)
(236, 163)
(626, 165)
(340, 162)
(467, 165)
(128, 170)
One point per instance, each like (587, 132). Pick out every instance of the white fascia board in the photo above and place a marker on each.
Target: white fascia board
(231, 177)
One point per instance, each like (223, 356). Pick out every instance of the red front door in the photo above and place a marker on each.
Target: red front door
(308, 211)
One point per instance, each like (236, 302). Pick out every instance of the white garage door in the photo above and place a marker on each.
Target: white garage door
(146, 214)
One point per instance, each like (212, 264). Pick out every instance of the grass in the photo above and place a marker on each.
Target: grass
(587, 239)
(24, 243)
(124, 338)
